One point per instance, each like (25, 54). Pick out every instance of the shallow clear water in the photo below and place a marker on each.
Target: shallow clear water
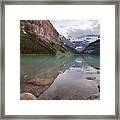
(66, 77)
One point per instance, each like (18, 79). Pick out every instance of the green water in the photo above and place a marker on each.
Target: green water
(68, 74)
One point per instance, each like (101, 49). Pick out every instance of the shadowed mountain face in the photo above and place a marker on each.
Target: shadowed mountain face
(92, 48)
(67, 41)
(39, 37)
(69, 45)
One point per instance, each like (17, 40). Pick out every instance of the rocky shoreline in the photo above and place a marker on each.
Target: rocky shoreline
(35, 89)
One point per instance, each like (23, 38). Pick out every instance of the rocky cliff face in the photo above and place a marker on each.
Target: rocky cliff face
(43, 28)
(39, 37)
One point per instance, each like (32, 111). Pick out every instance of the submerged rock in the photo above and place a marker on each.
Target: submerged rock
(27, 96)
(34, 89)
(98, 72)
(40, 82)
(93, 97)
(91, 78)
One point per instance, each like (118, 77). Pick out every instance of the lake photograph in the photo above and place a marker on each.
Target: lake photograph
(59, 60)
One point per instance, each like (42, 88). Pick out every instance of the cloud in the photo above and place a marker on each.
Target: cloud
(74, 28)
(75, 33)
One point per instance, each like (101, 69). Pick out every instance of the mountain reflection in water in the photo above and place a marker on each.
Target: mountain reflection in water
(60, 77)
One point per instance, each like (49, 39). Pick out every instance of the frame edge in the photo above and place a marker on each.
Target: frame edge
(2, 82)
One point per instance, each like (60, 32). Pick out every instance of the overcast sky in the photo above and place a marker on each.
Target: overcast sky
(76, 28)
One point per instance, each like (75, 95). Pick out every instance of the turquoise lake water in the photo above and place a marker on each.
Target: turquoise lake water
(68, 76)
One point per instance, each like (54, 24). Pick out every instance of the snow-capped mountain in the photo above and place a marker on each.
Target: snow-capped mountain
(81, 42)
(87, 38)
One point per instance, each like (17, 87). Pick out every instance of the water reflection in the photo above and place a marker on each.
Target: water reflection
(60, 77)
(92, 60)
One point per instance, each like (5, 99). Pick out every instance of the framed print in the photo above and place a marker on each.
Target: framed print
(60, 59)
